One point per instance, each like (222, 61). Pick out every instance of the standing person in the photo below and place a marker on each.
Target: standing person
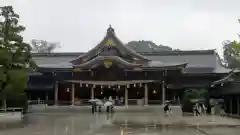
(196, 109)
(166, 108)
(121, 100)
(204, 108)
(222, 110)
(94, 107)
(200, 110)
(110, 98)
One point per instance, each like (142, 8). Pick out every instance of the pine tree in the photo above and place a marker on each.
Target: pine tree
(15, 56)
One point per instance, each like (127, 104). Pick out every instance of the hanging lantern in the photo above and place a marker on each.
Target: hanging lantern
(140, 85)
(119, 86)
(68, 89)
(80, 84)
(134, 85)
(154, 91)
(109, 86)
(101, 86)
(101, 92)
(127, 85)
(92, 73)
(86, 85)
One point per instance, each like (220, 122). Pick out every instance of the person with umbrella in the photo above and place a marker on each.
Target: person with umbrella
(166, 108)
(109, 106)
(93, 104)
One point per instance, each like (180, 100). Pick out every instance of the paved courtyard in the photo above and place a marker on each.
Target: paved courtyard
(131, 121)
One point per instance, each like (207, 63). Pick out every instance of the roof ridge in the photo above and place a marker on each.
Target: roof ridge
(160, 52)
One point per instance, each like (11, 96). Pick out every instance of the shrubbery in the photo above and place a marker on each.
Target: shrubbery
(191, 97)
(16, 100)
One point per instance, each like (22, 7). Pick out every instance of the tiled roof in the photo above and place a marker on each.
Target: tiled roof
(196, 59)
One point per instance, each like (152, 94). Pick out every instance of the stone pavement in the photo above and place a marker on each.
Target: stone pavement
(151, 119)
(10, 116)
(135, 121)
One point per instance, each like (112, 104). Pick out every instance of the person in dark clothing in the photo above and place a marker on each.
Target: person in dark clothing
(94, 107)
(166, 108)
(196, 110)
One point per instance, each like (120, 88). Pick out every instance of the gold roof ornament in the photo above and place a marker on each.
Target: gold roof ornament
(107, 63)
(76, 70)
(109, 42)
(137, 69)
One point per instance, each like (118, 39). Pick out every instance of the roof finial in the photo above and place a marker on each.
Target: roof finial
(110, 30)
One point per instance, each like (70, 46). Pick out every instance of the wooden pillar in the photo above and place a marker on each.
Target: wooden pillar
(46, 98)
(73, 94)
(126, 96)
(163, 92)
(230, 111)
(238, 109)
(56, 93)
(178, 99)
(92, 93)
(145, 94)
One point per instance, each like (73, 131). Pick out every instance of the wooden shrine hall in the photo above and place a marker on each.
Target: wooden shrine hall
(112, 69)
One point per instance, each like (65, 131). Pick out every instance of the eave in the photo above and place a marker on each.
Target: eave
(100, 60)
(226, 78)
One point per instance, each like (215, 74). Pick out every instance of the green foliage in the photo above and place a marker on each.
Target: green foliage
(195, 93)
(231, 54)
(18, 100)
(15, 55)
(43, 46)
(147, 46)
(192, 96)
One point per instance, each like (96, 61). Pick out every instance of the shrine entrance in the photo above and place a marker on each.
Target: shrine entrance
(105, 93)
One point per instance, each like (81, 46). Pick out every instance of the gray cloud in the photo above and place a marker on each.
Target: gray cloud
(79, 24)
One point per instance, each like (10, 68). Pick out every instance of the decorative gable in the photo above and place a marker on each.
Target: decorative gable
(110, 46)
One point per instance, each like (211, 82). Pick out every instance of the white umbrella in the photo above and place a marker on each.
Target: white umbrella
(108, 103)
(92, 100)
(99, 102)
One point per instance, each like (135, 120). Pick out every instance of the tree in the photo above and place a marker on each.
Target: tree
(15, 55)
(43, 46)
(231, 53)
(147, 46)
(192, 96)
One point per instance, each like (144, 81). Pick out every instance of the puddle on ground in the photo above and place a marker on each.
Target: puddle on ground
(88, 124)
(15, 124)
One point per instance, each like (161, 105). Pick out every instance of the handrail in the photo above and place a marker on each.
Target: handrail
(12, 110)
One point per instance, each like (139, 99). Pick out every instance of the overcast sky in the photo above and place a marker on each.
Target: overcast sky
(81, 24)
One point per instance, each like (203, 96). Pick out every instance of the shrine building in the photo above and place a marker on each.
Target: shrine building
(112, 69)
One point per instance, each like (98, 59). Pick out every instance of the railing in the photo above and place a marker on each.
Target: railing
(84, 102)
(11, 111)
